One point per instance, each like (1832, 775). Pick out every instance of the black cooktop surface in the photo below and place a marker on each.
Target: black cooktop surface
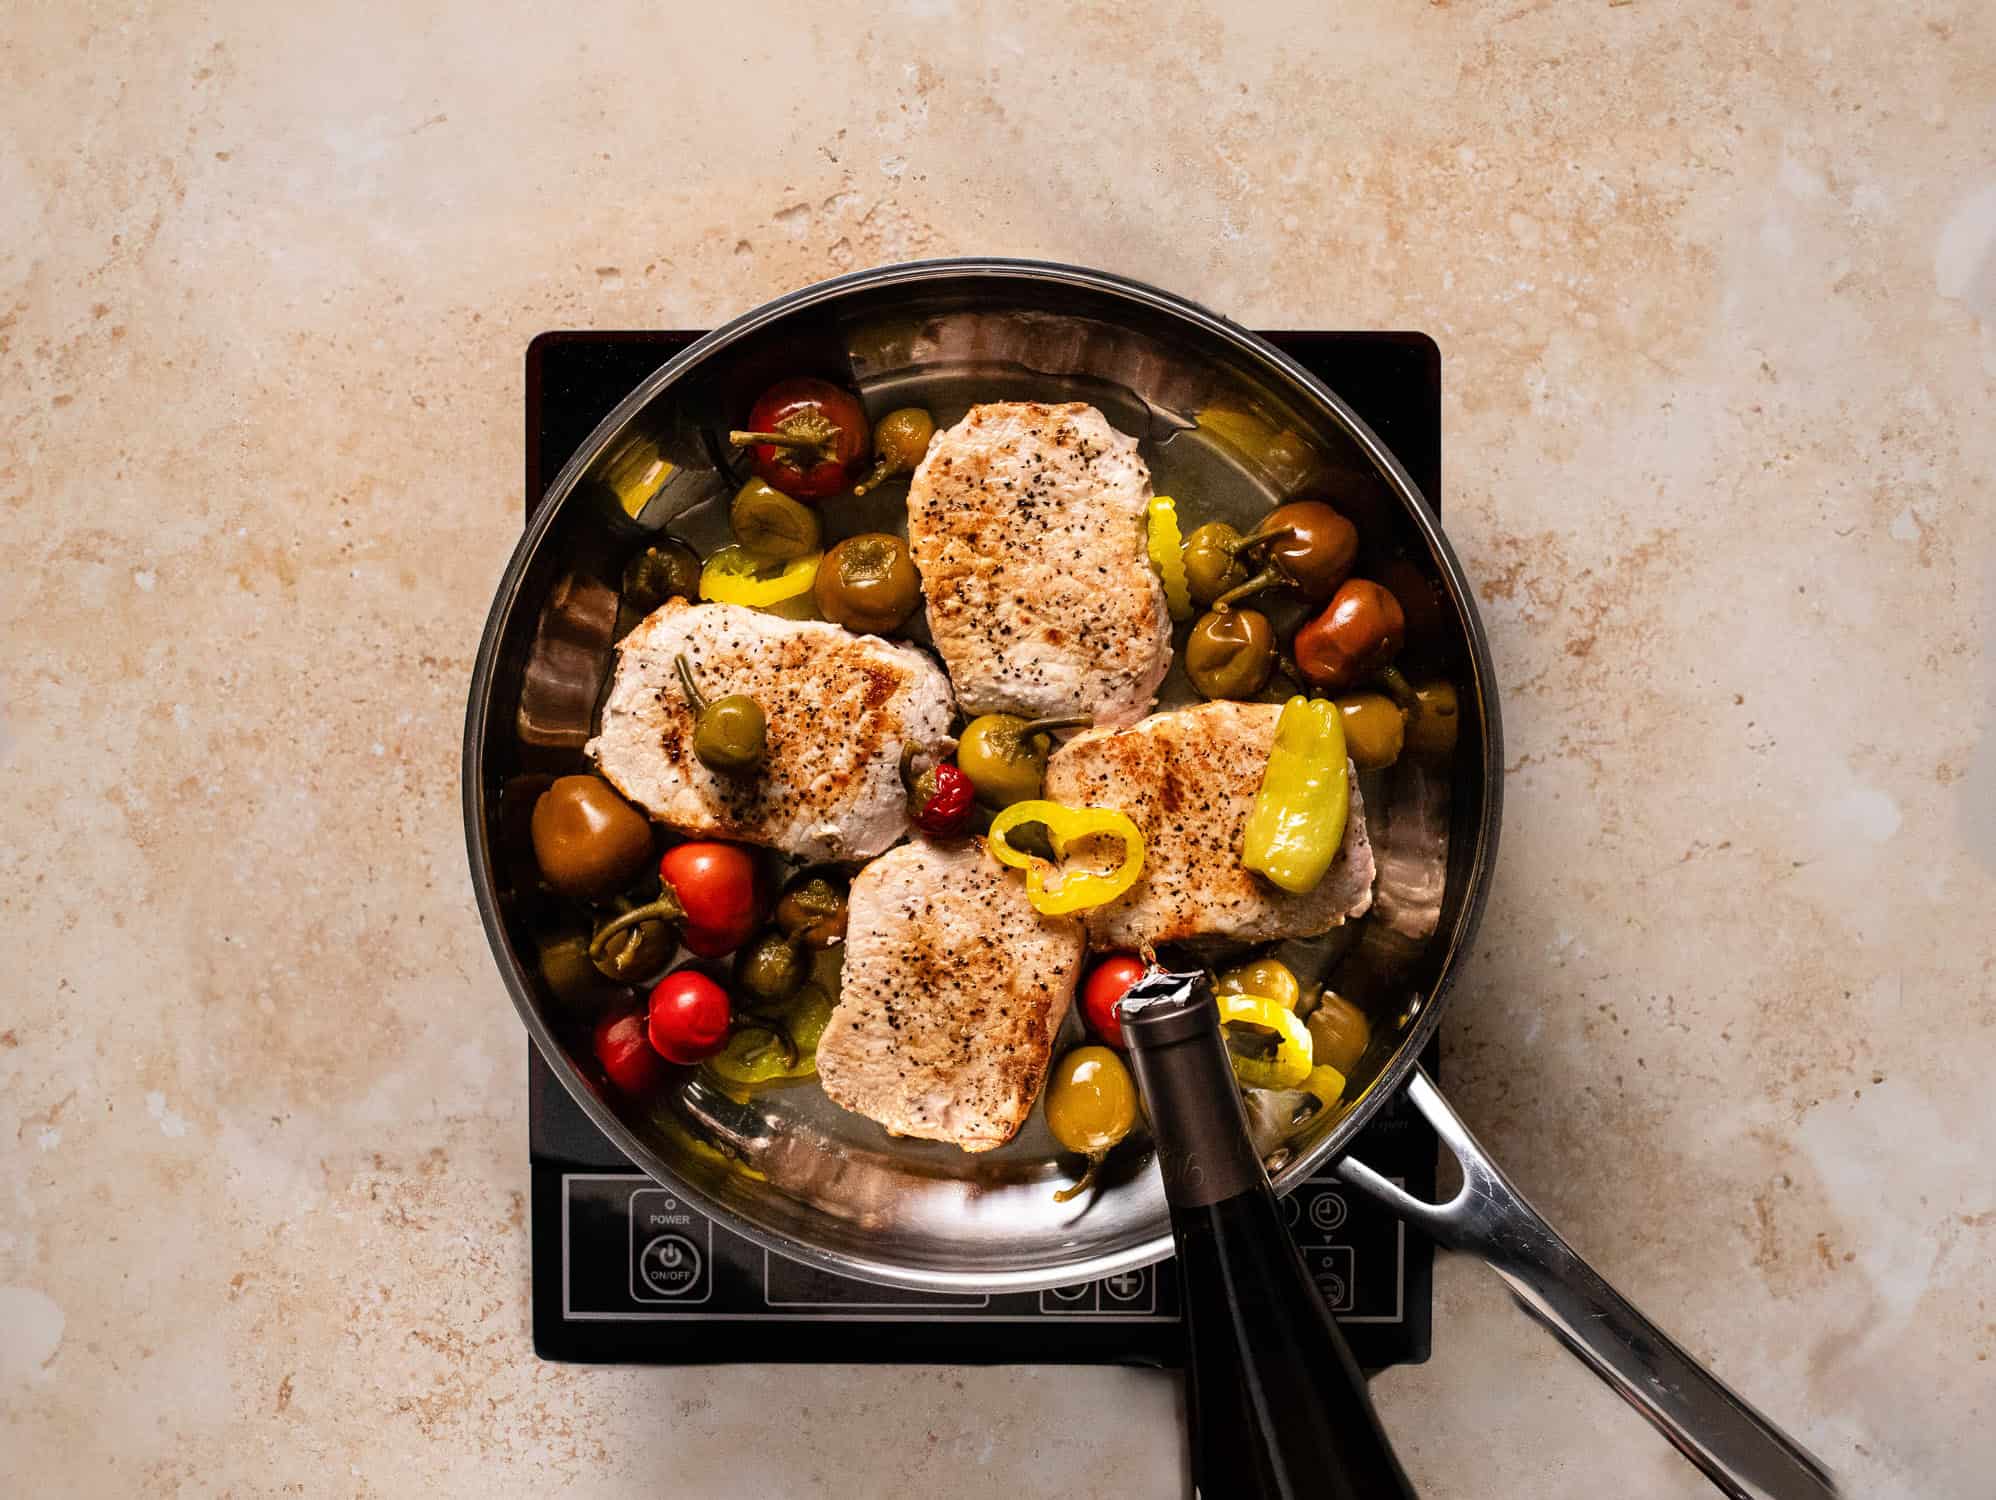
(623, 1270)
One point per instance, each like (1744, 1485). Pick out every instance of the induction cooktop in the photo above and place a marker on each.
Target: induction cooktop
(626, 1271)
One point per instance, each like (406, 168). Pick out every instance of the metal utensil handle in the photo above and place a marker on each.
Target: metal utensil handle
(1739, 1450)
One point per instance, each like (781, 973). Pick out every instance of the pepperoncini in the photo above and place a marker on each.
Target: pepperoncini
(1298, 821)
(1167, 555)
(1076, 890)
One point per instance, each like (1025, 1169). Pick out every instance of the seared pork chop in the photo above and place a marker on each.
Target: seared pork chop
(953, 992)
(840, 707)
(1188, 779)
(1027, 522)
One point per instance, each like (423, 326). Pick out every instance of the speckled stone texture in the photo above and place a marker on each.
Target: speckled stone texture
(1716, 288)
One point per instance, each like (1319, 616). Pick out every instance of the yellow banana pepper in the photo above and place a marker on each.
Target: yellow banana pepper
(1076, 890)
(1289, 1064)
(1299, 813)
(734, 575)
(1167, 555)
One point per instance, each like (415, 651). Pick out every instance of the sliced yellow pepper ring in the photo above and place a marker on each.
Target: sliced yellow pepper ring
(734, 575)
(1289, 1064)
(1167, 555)
(1076, 890)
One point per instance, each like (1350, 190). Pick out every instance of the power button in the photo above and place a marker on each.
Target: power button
(672, 1249)
(669, 1266)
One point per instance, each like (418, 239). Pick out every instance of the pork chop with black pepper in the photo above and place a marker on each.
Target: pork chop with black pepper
(954, 989)
(1027, 522)
(840, 709)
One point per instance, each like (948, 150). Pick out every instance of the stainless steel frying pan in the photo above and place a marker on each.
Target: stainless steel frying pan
(1232, 427)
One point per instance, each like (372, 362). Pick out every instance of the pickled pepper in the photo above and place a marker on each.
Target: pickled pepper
(1298, 820)
(1077, 889)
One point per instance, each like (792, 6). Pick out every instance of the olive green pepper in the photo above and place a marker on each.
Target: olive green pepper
(899, 441)
(812, 909)
(629, 952)
(1304, 545)
(587, 839)
(769, 968)
(667, 569)
(1269, 978)
(1230, 655)
(1435, 722)
(868, 583)
(1005, 756)
(730, 734)
(1339, 1033)
(563, 959)
(1091, 1104)
(1212, 562)
(771, 524)
(1375, 730)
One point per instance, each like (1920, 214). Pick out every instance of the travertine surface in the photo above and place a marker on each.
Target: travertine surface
(1716, 287)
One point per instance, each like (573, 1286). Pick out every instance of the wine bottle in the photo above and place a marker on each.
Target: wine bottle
(1275, 1403)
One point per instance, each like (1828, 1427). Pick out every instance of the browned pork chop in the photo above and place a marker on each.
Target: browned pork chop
(1027, 522)
(1188, 780)
(840, 707)
(954, 989)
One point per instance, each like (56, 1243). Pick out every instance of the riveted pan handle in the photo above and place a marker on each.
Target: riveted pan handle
(1739, 1450)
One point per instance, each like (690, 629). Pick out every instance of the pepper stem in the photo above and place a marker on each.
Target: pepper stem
(1075, 1190)
(809, 428)
(1399, 689)
(693, 698)
(883, 470)
(742, 439)
(1267, 578)
(1261, 539)
(665, 909)
(629, 941)
(1046, 726)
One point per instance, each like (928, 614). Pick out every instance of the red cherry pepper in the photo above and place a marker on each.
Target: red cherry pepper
(689, 1017)
(809, 437)
(713, 890)
(944, 801)
(719, 892)
(626, 1056)
(1107, 983)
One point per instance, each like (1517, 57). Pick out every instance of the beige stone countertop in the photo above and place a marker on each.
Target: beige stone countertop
(1715, 286)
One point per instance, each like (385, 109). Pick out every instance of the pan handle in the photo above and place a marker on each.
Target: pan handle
(1739, 1450)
